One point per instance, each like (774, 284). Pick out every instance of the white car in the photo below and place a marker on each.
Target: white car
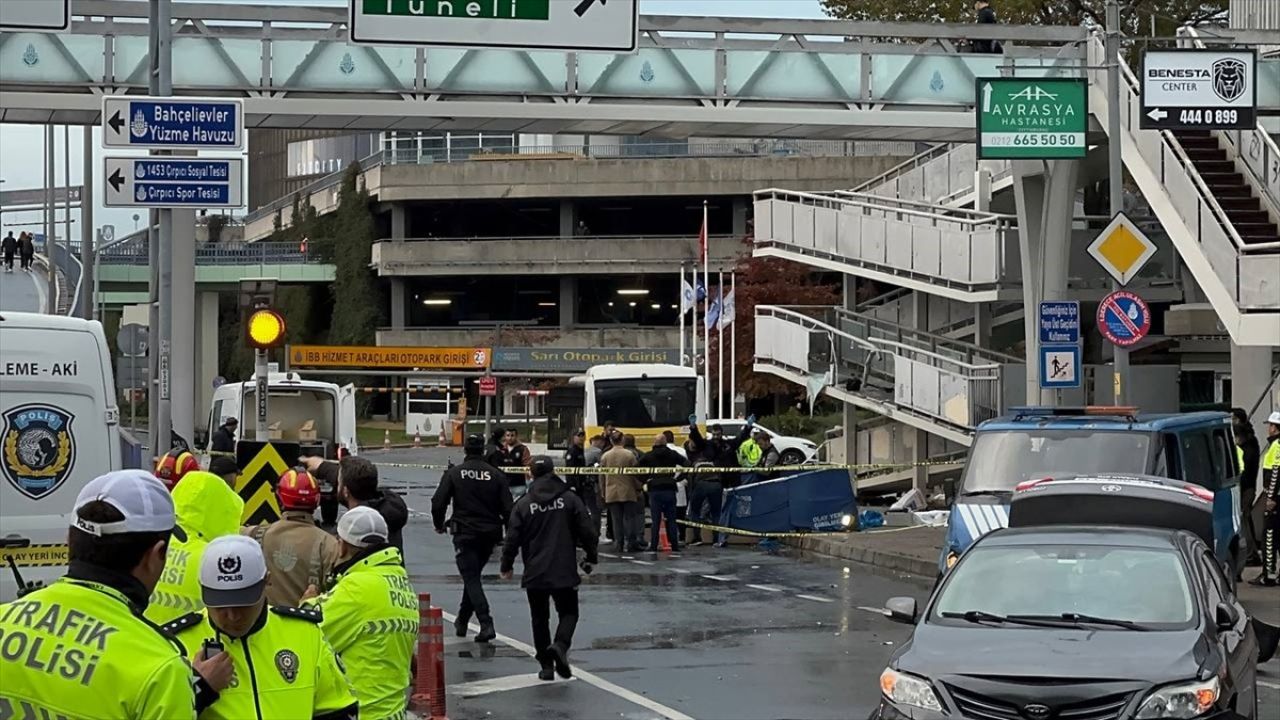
(793, 450)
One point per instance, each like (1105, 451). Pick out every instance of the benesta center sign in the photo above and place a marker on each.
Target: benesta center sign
(1032, 118)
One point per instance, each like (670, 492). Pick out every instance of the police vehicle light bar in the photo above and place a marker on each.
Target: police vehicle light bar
(1124, 411)
(1028, 484)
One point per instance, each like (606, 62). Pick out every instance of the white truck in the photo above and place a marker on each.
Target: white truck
(319, 416)
(59, 429)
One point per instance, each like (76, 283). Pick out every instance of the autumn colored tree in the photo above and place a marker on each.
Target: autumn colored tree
(766, 281)
(1136, 16)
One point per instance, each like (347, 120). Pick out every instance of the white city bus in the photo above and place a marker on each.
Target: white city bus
(642, 400)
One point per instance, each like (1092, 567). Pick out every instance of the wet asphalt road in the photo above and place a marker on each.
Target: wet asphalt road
(733, 633)
(19, 291)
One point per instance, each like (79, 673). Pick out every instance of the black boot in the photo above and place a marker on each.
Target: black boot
(560, 657)
(460, 626)
(546, 672)
(487, 632)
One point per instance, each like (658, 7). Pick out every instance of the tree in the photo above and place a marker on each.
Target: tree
(1136, 16)
(766, 281)
(357, 312)
(215, 224)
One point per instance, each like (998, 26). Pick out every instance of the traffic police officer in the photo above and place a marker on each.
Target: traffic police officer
(298, 553)
(81, 648)
(547, 526)
(283, 668)
(371, 615)
(481, 497)
(1271, 498)
(207, 508)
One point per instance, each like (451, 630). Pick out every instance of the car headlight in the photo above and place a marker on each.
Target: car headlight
(1181, 701)
(910, 690)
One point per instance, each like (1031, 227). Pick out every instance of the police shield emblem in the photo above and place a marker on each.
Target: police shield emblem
(287, 664)
(1229, 79)
(38, 448)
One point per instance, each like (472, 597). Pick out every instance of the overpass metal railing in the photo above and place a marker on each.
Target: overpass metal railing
(960, 248)
(1247, 271)
(261, 253)
(692, 149)
(926, 383)
(331, 180)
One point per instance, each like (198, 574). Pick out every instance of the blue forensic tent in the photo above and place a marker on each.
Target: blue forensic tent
(806, 501)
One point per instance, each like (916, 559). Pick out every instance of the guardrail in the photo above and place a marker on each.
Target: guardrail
(260, 253)
(938, 175)
(924, 382)
(960, 248)
(1250, 283)
(460, 151)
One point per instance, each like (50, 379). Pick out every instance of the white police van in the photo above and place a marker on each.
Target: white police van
(59, 429)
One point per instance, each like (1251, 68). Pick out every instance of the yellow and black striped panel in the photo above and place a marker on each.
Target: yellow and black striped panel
(50, 555)
(261, 465)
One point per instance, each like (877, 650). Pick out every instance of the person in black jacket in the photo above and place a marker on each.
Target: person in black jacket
(986, 15)
(510, 452)
(481, 508)
(357, 481)
(224, 438)
(1250, 455)
(547, 526)
(662, 492)
(10, 247)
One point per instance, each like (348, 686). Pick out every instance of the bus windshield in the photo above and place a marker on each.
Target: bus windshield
(999, 460)
(646, 402)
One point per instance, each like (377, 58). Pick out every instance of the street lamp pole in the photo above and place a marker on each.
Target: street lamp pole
(1115, 173)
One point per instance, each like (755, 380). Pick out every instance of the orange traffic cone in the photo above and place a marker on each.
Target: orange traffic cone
(442, 441)
(417, 439)
(386, 439)
(664, 545)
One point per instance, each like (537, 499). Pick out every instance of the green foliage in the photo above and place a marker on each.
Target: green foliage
(215, 224)
(1136, 16)
(357, 312)
(798, 424)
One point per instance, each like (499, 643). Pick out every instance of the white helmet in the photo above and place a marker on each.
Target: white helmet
(1274, 418)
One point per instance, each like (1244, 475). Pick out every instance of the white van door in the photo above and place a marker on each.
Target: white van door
(347, 418)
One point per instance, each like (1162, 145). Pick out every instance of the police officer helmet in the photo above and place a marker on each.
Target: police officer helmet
(542, 465)
(174, 465)
(298, 490)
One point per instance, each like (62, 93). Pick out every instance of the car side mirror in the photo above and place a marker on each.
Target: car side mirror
(1226, 616)
(901, 609)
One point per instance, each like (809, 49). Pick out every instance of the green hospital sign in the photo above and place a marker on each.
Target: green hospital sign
(1032, 118)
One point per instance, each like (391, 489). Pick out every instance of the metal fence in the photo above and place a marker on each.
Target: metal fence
(260, 253)
(445, 150)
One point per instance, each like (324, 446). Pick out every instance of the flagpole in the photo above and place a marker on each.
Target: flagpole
(733, 346)
(680, 291)
(720, 349)
(706, 329)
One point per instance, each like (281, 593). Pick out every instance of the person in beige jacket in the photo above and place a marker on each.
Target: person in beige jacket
(298, 553)
(621, 494)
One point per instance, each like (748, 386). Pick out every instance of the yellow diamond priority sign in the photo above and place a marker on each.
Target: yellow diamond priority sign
(1122, 249)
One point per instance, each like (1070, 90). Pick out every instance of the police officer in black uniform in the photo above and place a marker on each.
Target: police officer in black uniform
(547, 527)
(482, 502)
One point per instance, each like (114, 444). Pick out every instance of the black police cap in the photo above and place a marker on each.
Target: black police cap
(542, 465)
(474, 444)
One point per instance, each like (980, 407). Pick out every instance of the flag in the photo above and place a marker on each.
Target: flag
(688, 298)
(713, 313)
(728, 310)
(702, 291)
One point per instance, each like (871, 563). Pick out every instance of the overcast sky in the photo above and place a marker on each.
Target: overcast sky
(21, 146)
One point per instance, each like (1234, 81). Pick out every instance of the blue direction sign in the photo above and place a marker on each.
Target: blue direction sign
(1059, 366)
(1123, 318)
(1060, 322)
(150, 123)
(173, 182)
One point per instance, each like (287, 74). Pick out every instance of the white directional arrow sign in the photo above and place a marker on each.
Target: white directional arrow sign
(1157, 114)
(601, 25)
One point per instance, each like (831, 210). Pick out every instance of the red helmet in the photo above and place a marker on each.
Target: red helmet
(172, 467)
(298, 490)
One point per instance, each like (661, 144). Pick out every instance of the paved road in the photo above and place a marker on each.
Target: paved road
(734, 633)
(21, 291)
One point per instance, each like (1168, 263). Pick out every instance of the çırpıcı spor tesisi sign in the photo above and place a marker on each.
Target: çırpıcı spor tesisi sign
(371, 357)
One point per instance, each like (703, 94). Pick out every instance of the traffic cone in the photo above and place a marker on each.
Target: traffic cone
(417, 439)
(386, 439)
(664, 544)
(442, 441)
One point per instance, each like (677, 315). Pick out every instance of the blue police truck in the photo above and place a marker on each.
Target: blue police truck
(1032, 443)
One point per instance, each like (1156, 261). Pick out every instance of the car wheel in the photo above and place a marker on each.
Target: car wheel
(792, 457)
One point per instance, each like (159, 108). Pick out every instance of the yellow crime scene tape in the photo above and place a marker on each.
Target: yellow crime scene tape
(36, 555)
(691, 470)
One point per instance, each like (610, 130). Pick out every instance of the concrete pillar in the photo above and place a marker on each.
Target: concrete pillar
(1045, 196)
(206, 326)
(398, 303)
(982, 322)
(568, 301)
(1250, 375)
(567, 218)
(399, 222)
(182, 358)
(739, 217)
(982, 190)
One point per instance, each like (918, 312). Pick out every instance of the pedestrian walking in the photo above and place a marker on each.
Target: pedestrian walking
(121, 524)
(481, 500)
(1271, 506)
(622, 496)
(282, 664)
(370, 615)
(682, 509)
(662, 492)
(511, 453)
(986, 15)
(26, 250)
(206, 509)
(547, 527)
(298, 553)
(10, 248)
